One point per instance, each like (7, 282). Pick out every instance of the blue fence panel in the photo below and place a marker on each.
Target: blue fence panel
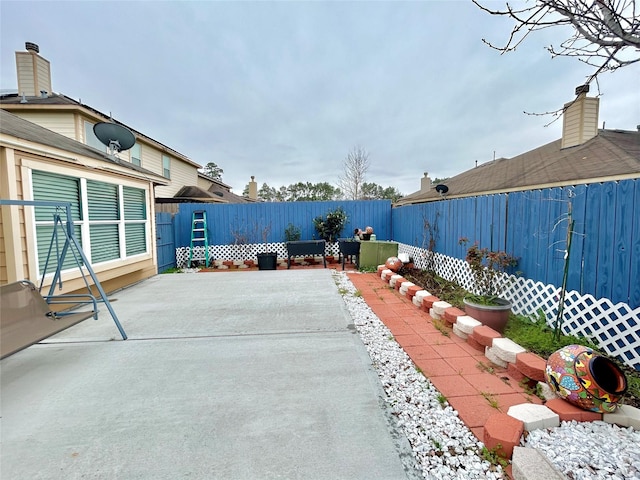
(558, 228)
(622, 232)
(578, 198)
(634, 250)
(530, 225)
(257, 222)
(591, 226)
(165, 242)
(605, 233)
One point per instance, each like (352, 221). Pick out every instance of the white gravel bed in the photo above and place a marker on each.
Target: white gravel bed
(587, 450)
(445, 448)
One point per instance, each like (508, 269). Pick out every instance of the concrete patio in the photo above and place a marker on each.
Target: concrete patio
(233, 376)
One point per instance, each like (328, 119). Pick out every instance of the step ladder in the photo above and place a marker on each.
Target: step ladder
(199, 237)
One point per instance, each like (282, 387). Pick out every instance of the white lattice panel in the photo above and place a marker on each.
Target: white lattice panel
(614, 327)
(240, 252)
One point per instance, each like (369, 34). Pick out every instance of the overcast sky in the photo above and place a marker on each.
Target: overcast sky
(284, 90)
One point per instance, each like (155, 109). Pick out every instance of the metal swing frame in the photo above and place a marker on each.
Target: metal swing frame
(72, 245)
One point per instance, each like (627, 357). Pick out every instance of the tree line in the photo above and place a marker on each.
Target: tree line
(352, 184)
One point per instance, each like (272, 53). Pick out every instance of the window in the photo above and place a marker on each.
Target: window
(91, 139)
(55, 188)
(135, 220)
(111, 218)
(104, 215)
(166, 166)
(136, 155)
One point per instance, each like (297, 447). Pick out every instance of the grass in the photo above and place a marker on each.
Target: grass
(173, 270)
(493, 456)
(485, 368)
(532, 334)
(440, 326)
(537, 337)
(491, 399)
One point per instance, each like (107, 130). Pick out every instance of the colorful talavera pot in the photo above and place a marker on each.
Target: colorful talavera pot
(585, 378)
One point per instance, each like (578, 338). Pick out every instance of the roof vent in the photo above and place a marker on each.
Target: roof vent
(32, 47)
(43, 94)
(24, 98)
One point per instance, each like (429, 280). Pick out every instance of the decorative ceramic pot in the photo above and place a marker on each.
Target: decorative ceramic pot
(493, 316)
(393, 264)
(586, 379)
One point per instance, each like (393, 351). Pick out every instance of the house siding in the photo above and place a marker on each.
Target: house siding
(203, 183)
(34, 74)
(19, 260)
(181, 174)
(580, 122)
(59, 122)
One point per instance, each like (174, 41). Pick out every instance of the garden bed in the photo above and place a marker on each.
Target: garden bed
(536, 337)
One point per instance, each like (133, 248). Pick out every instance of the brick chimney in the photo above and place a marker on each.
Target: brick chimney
(34, 72)
(580, 119)
(253, 188)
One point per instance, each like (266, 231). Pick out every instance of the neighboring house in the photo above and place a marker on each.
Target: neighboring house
(36, 102)
(583, 155)
(112, 205)
(208, 190)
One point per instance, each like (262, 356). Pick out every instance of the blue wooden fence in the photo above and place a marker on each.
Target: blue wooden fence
(165, 242)
(227, 222)
(532, 225)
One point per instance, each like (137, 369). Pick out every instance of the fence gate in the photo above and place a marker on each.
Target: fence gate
(165, 241)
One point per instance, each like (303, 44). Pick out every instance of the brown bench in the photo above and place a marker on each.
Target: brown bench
(26, 317)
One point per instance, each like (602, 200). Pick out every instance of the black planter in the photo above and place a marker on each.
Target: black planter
(267, 261)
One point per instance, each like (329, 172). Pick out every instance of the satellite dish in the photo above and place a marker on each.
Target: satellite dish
(116, 137)
(442, 189)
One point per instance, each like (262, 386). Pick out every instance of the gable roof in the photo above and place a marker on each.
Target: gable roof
(23, 129)
(610, 155)
(13, 102)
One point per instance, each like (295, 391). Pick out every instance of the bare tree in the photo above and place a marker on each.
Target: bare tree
(606, 33)
(355, 168)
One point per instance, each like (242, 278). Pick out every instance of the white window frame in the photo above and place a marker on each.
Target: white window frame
(84, 224)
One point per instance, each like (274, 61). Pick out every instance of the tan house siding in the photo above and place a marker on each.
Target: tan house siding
(59, 122)
(13, 248)
(71, 123)
(34, 74)
(181, 175)
(580, 121)
(203, 183)
(18, 249)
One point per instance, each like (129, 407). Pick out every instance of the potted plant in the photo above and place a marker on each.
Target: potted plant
(489, 280)
(267, 260)
(330, 227)
(292, 233)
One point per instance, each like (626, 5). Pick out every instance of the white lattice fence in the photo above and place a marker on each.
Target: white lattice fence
(240, 252)
(614, 327)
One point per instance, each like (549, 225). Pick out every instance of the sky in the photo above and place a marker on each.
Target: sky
(283, 91)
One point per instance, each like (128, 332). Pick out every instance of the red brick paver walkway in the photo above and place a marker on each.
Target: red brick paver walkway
(473, 386)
